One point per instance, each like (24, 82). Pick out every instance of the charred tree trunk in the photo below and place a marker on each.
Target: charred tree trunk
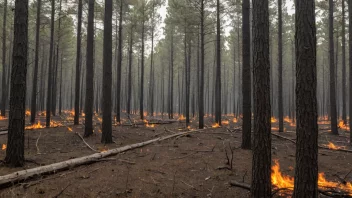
(36, 62)
(171, 77)
(344, 117)
(107, 74)
(60, 94)
(141, 96)
(130, 59)
(78, 57)
(50, 66)
(151, 79)
(306, 172)
(261, 163)
(88, 110)
(4, 88)
(218, 67)
(332, 70)
(15, 142)
(350, 64)
(119, 64)
(246, 77)
(280, 99)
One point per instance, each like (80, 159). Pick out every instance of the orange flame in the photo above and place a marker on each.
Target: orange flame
(70, 129)
(4, 146)
(55, 124)
(273, 120)
(225, 122)
(215, 125)
(181, 118)
(332, 146)
(282, 181)
(234, 120)
(35, 126)
(343, 126)
(28, 113)
(2, 118)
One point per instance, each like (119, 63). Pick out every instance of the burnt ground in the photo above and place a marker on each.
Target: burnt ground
(191, 166)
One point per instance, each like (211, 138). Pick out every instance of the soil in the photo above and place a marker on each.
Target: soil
(192, 166)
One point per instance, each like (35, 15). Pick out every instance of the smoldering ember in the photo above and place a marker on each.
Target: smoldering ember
(176, 98)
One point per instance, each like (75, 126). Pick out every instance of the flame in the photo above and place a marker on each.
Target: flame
(215, 125)
(283, 181)
(104, 149)
(181, 118)
(279, 180)
(332, 146)
(43, 113)
(55, 124)
(4, 146)
(2, 118)
(150, 125)
(145, 113)
(343, 126)
(28, 113)
(234, 120)
(70, 129)
(290, 121)
(100, 119)
(273, 120)
(83, 114)
(225, 122)
(35, 126)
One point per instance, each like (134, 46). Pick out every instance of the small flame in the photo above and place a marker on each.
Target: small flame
(83, 114)
(2, 118)
(234, 120)
(100, 119)
(4, 146)
(181, 118)
(225, 122)
(70, 129)
(343, 126)
(215, 125)
(55, 124)
(273, 120)
(35, 126)
(332, 146)
(28, 113)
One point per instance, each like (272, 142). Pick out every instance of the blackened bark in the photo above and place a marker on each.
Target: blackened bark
(60, 94)
(332, 70)
(218, 67)
(246, 77)
(78, 57)
(280, 100)
(306, 172)
(36, 62)
(107, 74)
(171, 77)
(350, 64)
(15, 142)
(261, 163)
(88, 129)
(344, 117)
(50, 66)
(4, 89)
(141, 111)
(119, 63)
(151, 79)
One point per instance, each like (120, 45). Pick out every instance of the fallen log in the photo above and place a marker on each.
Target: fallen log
(16, 177)
(3, 132)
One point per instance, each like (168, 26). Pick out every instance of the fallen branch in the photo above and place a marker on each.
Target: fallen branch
(56, 196)
(36, 143)
(15, 177)
(86, 142)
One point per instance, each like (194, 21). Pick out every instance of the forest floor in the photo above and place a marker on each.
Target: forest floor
(191, 166)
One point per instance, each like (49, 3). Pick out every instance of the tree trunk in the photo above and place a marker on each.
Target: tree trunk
(60, 96)
(171, 77)
(306, 172)
(4, 92)
(119, 64)
(141, 111)
(201, 86)
(261, 163)
(151, 79)
(78, 57)
(246, 77)
(130, 59)
(280, 99)
(88, 110)
(344, 117)
(350, 64)
(15, 142)
(107, 74)
(218, 67)
(36, 61)
(50, 66)
(332, 70)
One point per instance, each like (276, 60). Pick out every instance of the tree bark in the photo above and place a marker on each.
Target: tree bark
(350, 64)
(88, 129)
(246, 77)
(119, 64)
(261, 163)
(201, 86)
(50, 66)
(15, 142)
(280, 99)
(4, 89)
(306, 171)
(78, 60)
(344, 117)
(218, 67)
(36, 62)
(332, 70)
(107, 74)
(130, 59)
(141, 111)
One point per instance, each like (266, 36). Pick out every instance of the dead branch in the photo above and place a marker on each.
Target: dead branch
(56, 196)
(36, 143)
(86, 142)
